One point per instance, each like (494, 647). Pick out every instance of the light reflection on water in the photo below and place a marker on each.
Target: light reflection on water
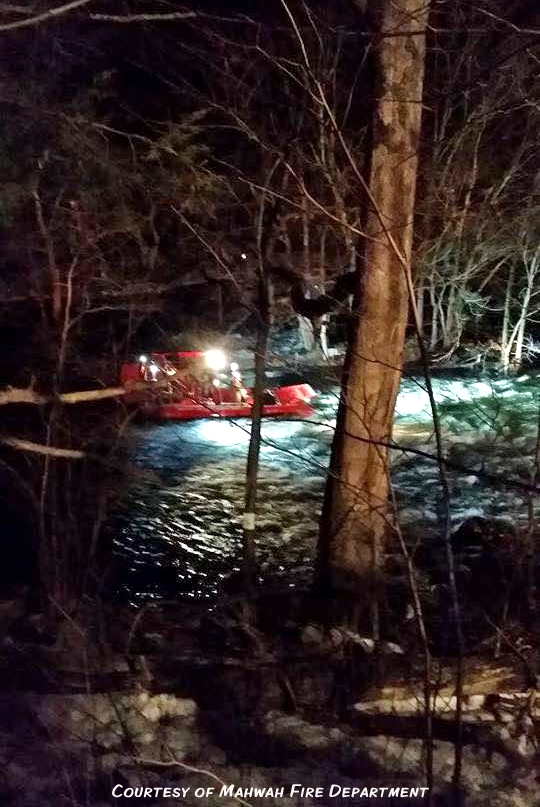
(179, 528)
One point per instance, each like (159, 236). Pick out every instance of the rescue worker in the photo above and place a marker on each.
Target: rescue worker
(148, 369)
(207, 384)
(237, 387)
(168, 368)
(200, 380)
(170, 372)
(154, 370)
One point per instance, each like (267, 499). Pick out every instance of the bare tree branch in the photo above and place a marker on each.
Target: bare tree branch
(74, 4)
(45, 16)
(9, 8)
(38, 448)
(123, 18)
(18, 395)
(173, 762)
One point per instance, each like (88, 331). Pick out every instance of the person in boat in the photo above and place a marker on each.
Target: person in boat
(199, 379)
(170, 372)
(168, 368)
(154, 370)
(148, 369)
(237, 384)
(269, 399)
(143, 369)
(208, 384)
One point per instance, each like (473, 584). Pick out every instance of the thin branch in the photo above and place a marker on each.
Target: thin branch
(45, 16)
(9, 8)
(191, 768)
(123, 18)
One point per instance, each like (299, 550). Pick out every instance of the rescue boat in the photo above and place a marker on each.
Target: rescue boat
(188, 385)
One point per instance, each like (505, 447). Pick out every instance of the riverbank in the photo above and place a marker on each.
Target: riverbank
(175, 696)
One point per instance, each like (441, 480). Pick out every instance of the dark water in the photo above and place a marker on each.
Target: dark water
(178, 531)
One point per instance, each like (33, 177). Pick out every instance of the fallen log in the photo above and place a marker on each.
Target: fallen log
(480, 677)
(27, 395)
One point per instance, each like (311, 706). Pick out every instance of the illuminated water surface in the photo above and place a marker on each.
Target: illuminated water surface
(178, 530)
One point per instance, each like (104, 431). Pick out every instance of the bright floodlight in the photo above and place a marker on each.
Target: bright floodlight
(243, 256)
(215, 359)
(143, 359)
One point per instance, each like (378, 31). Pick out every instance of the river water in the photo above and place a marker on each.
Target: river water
(177, 531)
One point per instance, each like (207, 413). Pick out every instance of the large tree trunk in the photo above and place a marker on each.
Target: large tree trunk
(355, 510)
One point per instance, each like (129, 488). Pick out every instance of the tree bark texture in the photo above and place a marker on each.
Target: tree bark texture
(355, 509)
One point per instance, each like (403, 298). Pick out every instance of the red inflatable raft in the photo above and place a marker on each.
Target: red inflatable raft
(196, 384)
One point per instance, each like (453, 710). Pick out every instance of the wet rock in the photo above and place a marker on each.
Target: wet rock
(182, 741)
(390, 755)
(10, 612)
(498, 762)
(364, 642)
(214, 755)
(391, 648)
(410, 515)
(299, 734)
(133, 776)
(474, 702)
(336, 637)
(109, 763)
(311, 635)
(107, 719)
(510, 798)
(111, 739)
(505, 717)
